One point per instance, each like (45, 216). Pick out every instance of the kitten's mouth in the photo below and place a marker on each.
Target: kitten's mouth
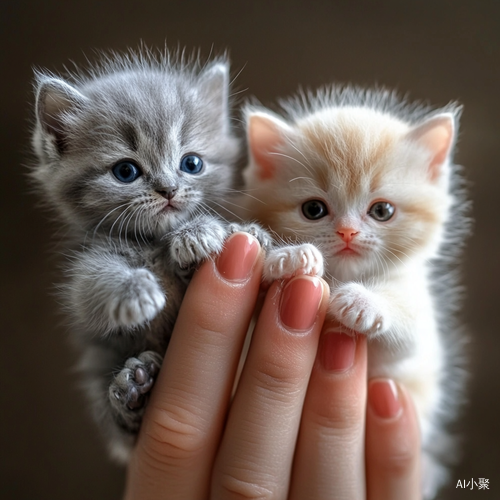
(347, 252)
(169, 207)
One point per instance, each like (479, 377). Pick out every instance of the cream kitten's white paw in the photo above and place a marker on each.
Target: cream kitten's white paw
(196, 241)
(359, 309)
(139, 300)
(286, 261)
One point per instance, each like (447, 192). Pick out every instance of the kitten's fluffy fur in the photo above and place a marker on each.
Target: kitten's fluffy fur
(350, 149)
(133, 242)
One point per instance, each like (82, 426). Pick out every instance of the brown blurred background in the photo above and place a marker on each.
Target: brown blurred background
(439, 50)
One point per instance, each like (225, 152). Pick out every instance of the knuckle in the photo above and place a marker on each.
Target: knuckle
(213, 334)
(240, 483)
(398, 459)
(332, 415)
(173, 435)
(279, 382)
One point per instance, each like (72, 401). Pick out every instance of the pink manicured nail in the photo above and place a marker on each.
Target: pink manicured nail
(238, 257)
(383, 398)
(337, 351)
(300, 302)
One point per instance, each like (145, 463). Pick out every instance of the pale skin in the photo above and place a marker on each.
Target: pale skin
(303, 422)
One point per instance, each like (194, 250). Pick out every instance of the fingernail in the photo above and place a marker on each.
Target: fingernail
(383, 398)
(236, 261)
(337, 351)
(300, 302)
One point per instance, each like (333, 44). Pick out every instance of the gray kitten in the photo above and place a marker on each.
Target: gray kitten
(135, 156)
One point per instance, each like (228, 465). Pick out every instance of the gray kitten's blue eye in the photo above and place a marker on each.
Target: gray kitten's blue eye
(314, 209)
(191, 164)
(126, 171)
(381, 211)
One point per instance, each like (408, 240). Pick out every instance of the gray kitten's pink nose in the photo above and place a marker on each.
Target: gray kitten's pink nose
(167, 192)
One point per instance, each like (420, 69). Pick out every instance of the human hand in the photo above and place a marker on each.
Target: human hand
(296, 426)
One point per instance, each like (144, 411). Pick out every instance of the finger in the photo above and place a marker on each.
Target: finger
(329, 460)
(183, 422)
(392, 443)
(257, 449)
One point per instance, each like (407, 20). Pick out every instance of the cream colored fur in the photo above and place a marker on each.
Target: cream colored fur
(350, 149)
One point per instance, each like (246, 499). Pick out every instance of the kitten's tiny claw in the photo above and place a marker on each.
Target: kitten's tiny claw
(129, 390)
(258, 232)
(288, 261)
(196, 241)
(138, 301)
(141, 376)
(359, 309)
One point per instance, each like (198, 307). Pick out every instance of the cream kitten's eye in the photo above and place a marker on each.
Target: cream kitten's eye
(381, 211)
(314, 209)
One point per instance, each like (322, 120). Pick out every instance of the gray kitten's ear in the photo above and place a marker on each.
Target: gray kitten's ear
(214, 84)
(55, 99)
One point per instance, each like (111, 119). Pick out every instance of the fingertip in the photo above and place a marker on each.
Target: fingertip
(338, 340)
(239, 255)
(383, 398)
(330, 449)
(392, 442)
(301, 300)
(337, 351)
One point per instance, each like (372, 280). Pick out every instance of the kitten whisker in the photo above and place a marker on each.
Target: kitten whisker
(107, 215)
(123, 223)
(226, 209)
(383, 264)
(244, 192)
(238, 92)
(392, 253)
(128, 222)
(138, 219)
(232, 190)
(238, 74)
(303, 178)
(291, 158)
(300, 153)
(406, 247)
(239, 120)
(236, 205)
(211, 210)
(122, 214)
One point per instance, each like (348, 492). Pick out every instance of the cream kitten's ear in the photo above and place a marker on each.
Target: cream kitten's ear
(266, 136)
(437, 135)
(55, 98)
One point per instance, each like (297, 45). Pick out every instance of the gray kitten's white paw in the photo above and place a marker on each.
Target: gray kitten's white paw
(194, 242)
(287, 261)
(258, 232)
(138, 301)
(359, 309)
(129, 390)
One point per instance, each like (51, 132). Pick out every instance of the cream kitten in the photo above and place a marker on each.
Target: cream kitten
(369, 180)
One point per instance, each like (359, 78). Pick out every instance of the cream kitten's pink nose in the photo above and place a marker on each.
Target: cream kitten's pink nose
(347, 234)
